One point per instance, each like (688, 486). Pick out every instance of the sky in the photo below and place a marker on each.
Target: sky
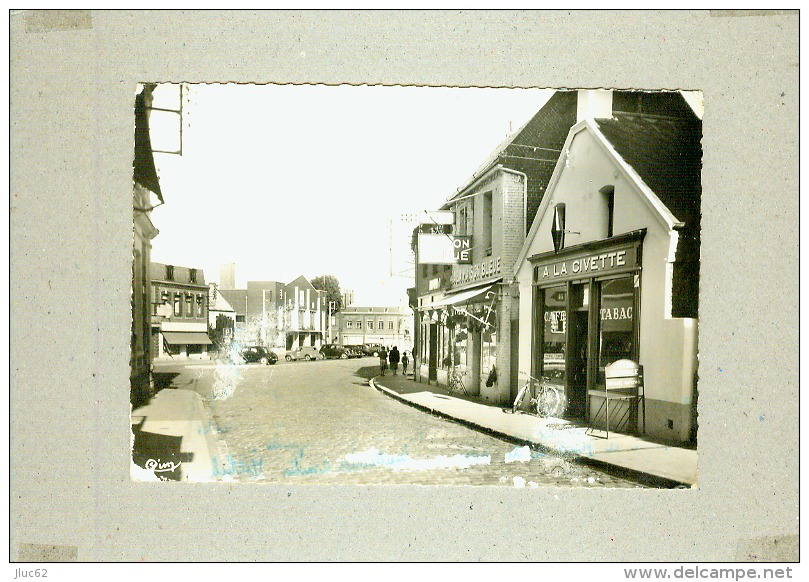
(289, 180)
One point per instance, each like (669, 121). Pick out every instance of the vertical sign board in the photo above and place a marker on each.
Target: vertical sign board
(444, 249)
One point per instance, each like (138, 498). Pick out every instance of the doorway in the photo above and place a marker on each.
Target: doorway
(432, 368)
(577, 351)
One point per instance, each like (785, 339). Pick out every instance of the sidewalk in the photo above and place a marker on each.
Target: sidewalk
(172, 438)
(668, 463)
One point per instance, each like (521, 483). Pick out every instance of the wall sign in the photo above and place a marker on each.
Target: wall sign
(444, 249)
(588, 264)
(477, 272)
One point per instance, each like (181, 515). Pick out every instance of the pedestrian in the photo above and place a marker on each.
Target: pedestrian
(393, 356)
(405, 362)
(383, 360)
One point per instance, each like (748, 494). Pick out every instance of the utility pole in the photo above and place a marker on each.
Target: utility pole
(329, 322)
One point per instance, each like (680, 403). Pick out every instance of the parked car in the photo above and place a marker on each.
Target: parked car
(373, 349)
(303, 353)
(334, 351)
(355, 351)
(260, 354)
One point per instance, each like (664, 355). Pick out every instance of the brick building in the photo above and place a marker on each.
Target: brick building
(179, 312)
(389, 326)
(466, 314)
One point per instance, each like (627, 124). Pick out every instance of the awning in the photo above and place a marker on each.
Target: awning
(467, 296)
(187, 337)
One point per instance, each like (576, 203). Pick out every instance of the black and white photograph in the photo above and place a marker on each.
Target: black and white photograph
(314, 286)
(340, 284)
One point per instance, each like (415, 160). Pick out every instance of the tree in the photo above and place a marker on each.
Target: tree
(331, 286)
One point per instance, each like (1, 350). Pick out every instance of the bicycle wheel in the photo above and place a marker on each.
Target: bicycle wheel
(548, 401)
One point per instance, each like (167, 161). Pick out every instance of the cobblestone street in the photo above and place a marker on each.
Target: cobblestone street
(320, 422)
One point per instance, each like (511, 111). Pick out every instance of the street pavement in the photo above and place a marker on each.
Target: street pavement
(321, 422)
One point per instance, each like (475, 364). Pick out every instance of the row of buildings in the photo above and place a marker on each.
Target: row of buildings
(581, 235)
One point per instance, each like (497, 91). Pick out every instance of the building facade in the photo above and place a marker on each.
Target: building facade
(467, 314)
(179, 312)
(278, 315)
(621, 281)
(146, 185)
(221, 319)
(389, 326)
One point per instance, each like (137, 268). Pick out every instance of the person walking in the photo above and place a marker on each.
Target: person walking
(405, 362)
(383, 360)
(393, 357)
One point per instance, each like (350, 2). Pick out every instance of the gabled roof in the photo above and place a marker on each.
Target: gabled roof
(666, 153)
(237, 299)
(662, 156)
(217, 301)
(538, 142)
(301, 282)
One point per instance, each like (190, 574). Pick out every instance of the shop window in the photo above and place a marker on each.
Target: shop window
(617, 323)
(554, 336)
(608, 192)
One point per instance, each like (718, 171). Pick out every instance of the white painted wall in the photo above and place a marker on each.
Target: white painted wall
(668, 346)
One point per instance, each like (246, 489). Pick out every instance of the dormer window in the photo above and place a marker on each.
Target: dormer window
(169, 272)
(192, 275)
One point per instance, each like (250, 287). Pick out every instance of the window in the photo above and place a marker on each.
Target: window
(280, 295)
(390, 325)
(192, 275)
(178, 305)
(370, 325)
(554, 326)
(348, 325)
(487, 224)
(617, 323)
(240, 319)
(189, 311)
(169, 272)
(608, 192)
(200, 306)
(359, 325)
(381, 324)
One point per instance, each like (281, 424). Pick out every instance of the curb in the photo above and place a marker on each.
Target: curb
(640, 476)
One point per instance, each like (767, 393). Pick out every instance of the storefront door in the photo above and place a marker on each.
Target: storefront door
(577, 353)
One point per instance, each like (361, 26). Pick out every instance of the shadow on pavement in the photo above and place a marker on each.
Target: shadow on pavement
(163, 380)
(159, 453)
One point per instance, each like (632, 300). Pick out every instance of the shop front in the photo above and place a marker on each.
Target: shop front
(586, 315)
(460, 330)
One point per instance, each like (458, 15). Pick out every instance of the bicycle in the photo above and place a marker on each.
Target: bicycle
(455, 382)
(547, 401)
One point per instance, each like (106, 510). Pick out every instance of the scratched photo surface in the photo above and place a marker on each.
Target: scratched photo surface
(415, 285)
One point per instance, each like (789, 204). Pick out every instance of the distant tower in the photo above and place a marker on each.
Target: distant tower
(348, 298)
(227, 276)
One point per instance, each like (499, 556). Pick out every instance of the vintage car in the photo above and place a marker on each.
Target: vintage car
(257, 354)
(303, 353)
(334, 351)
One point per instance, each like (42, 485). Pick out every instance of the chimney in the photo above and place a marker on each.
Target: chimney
(594, 104)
